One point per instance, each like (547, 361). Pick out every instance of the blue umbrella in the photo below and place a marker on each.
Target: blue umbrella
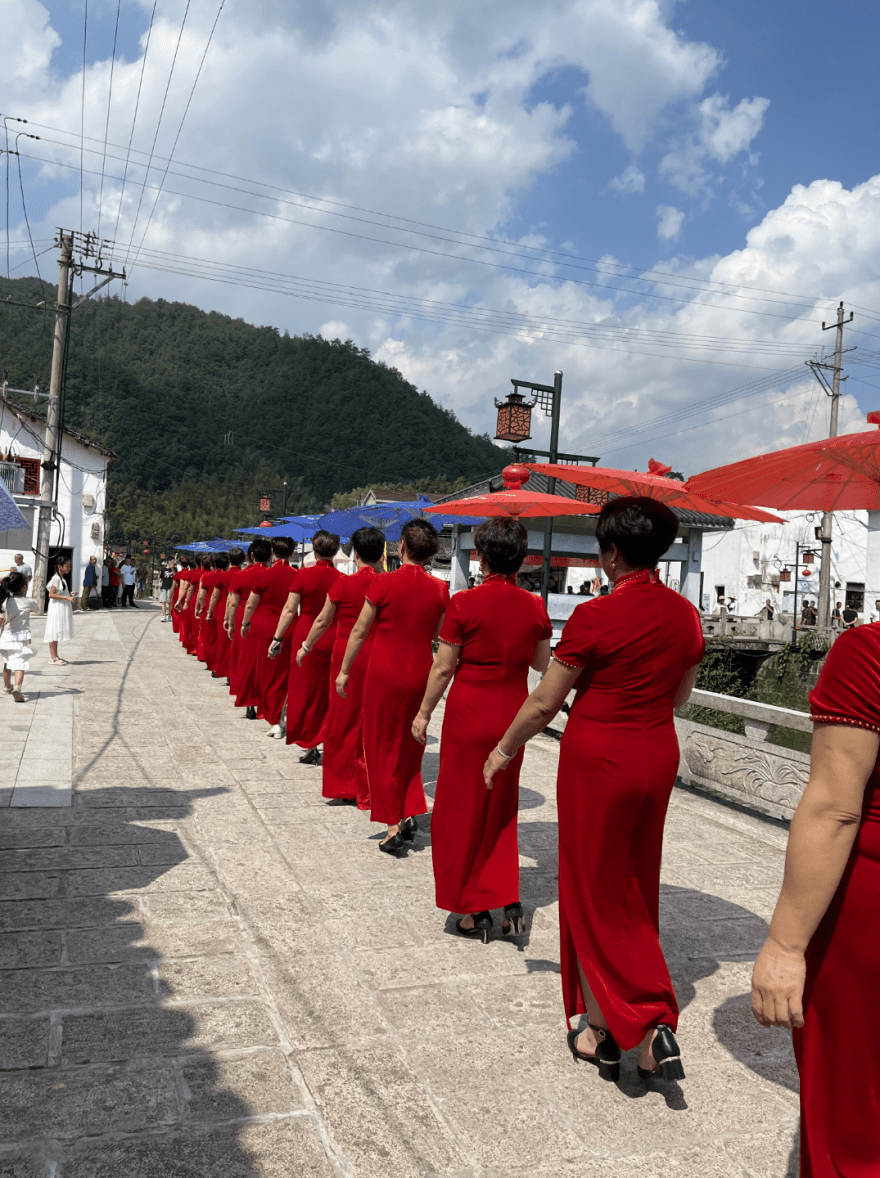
(11, 518)
(388, 517)
(296, 531)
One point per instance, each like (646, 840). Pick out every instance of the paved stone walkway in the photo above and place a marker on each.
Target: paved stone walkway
(210, 973)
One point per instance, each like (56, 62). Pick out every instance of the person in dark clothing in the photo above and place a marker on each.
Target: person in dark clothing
(850, 618)
(90, 581)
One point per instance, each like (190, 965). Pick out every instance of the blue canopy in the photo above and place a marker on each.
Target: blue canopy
(11, 518)
(388, 517)
(216, 545)
(296, 531)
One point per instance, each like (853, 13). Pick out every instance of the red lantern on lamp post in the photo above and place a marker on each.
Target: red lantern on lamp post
(514, 419)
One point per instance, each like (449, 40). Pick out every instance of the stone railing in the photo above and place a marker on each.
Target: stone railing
(746, 769)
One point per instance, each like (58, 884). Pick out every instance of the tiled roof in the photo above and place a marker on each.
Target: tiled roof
(538, 482)
(39, 414)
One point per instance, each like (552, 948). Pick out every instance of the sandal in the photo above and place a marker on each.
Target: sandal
(58, 662)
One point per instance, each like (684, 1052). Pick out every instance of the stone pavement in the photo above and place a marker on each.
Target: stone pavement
(208, 972)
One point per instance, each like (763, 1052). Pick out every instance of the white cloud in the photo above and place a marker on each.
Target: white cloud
(670, 221)
(631, 179)
(720, 134)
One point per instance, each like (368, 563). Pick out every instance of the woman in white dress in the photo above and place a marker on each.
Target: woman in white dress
(59, 617)
(15, 633)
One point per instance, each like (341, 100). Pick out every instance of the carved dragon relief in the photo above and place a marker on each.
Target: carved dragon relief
(771, 777)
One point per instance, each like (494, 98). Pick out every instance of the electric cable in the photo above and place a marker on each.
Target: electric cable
(107, 120)
(134, 119)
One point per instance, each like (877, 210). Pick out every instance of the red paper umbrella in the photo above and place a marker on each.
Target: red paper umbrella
(656, 484)
(833, 474)
(513, 501)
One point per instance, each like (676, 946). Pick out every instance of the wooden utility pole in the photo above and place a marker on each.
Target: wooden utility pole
(824, 603)
(52, 447)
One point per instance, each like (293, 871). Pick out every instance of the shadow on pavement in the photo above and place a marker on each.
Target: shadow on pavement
(106, 1074)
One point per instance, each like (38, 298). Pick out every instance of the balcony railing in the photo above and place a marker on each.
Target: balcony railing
(13, 476)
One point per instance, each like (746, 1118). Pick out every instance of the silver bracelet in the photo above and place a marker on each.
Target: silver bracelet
(307, 649)
(502, 754)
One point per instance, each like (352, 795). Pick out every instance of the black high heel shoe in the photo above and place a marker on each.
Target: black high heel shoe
(409, 828)
(312, 757)
(393, 845)
(250, 713)
(607, 1057)
(482, 926)
(514, 920)
(667, 1053)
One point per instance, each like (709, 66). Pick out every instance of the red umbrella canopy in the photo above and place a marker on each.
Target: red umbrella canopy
(833, 474)
(656, 484)
(514, 501)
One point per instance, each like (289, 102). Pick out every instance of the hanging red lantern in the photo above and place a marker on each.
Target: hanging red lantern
(806, 573)
(514, 419)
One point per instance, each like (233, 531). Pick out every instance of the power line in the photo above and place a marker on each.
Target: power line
(179, 129)
(687, 282)
(107, 120)
(158, 124)
(134, 118)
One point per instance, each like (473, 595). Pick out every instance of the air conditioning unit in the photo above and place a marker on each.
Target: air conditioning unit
(756, 556)
(88, 502)
(96, 531)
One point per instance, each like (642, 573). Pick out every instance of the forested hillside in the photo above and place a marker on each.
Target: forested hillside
(205, 412)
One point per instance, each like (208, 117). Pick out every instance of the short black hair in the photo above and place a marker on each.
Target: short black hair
(236, 557)
(15, 582)
(261, 549)
(325, 544)
(282, 546)
(503, 543)
(221, 561)
(642, 528)
(206, 560)
(369, 544)
(421, 539)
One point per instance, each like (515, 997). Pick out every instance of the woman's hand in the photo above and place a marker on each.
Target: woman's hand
(420, 728)
(300, 655)
(494, 764)
(778, 986)
(245, 629)
(341, 684)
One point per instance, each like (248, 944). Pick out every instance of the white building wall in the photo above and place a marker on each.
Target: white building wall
(747, 561)
(83, 474)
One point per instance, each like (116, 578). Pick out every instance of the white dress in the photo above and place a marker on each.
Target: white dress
(59, 617)
(15, 638)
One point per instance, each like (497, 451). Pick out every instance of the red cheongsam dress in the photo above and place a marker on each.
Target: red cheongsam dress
(222, 643)
(343, 767)
(409, 604)
(242, 681)
(617, 766)
(207, 626)
(838, 1047)
(308, 695)
(271, 675)
(496, 628)
(177, 588)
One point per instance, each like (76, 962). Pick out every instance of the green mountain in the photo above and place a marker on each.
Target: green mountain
(207, 412)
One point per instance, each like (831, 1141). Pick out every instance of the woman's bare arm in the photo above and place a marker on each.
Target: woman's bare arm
(233, 597)
(320, 626)
(212, 604)
(533, 717)
(686, 687)
(823, 831)
(541, 660)
(291, 609)
(442, 671)
(200, 600)
(252, 602)
(356, 640)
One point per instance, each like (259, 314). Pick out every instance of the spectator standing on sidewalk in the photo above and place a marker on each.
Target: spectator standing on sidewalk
(166, 585)
(59, 616)
(115, 583)
(15, 632)
(141, 580)
(21, 567)
(105, 582)
(129, 578)
(90, 581)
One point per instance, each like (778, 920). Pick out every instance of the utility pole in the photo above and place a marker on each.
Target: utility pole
(824, 604)
(555, 408)
(51, 446)
(88, 247)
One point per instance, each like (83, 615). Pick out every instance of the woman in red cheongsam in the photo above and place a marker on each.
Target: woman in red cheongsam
(407, 607)
(308, 694)
(343, 769)
(207, 622)
(632, 657)
(819, 972)
(244, 652)
(491, 635)
(179, 583)
(269, 592)
(216, 609)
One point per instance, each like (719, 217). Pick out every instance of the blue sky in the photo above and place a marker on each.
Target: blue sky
(642, 133)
